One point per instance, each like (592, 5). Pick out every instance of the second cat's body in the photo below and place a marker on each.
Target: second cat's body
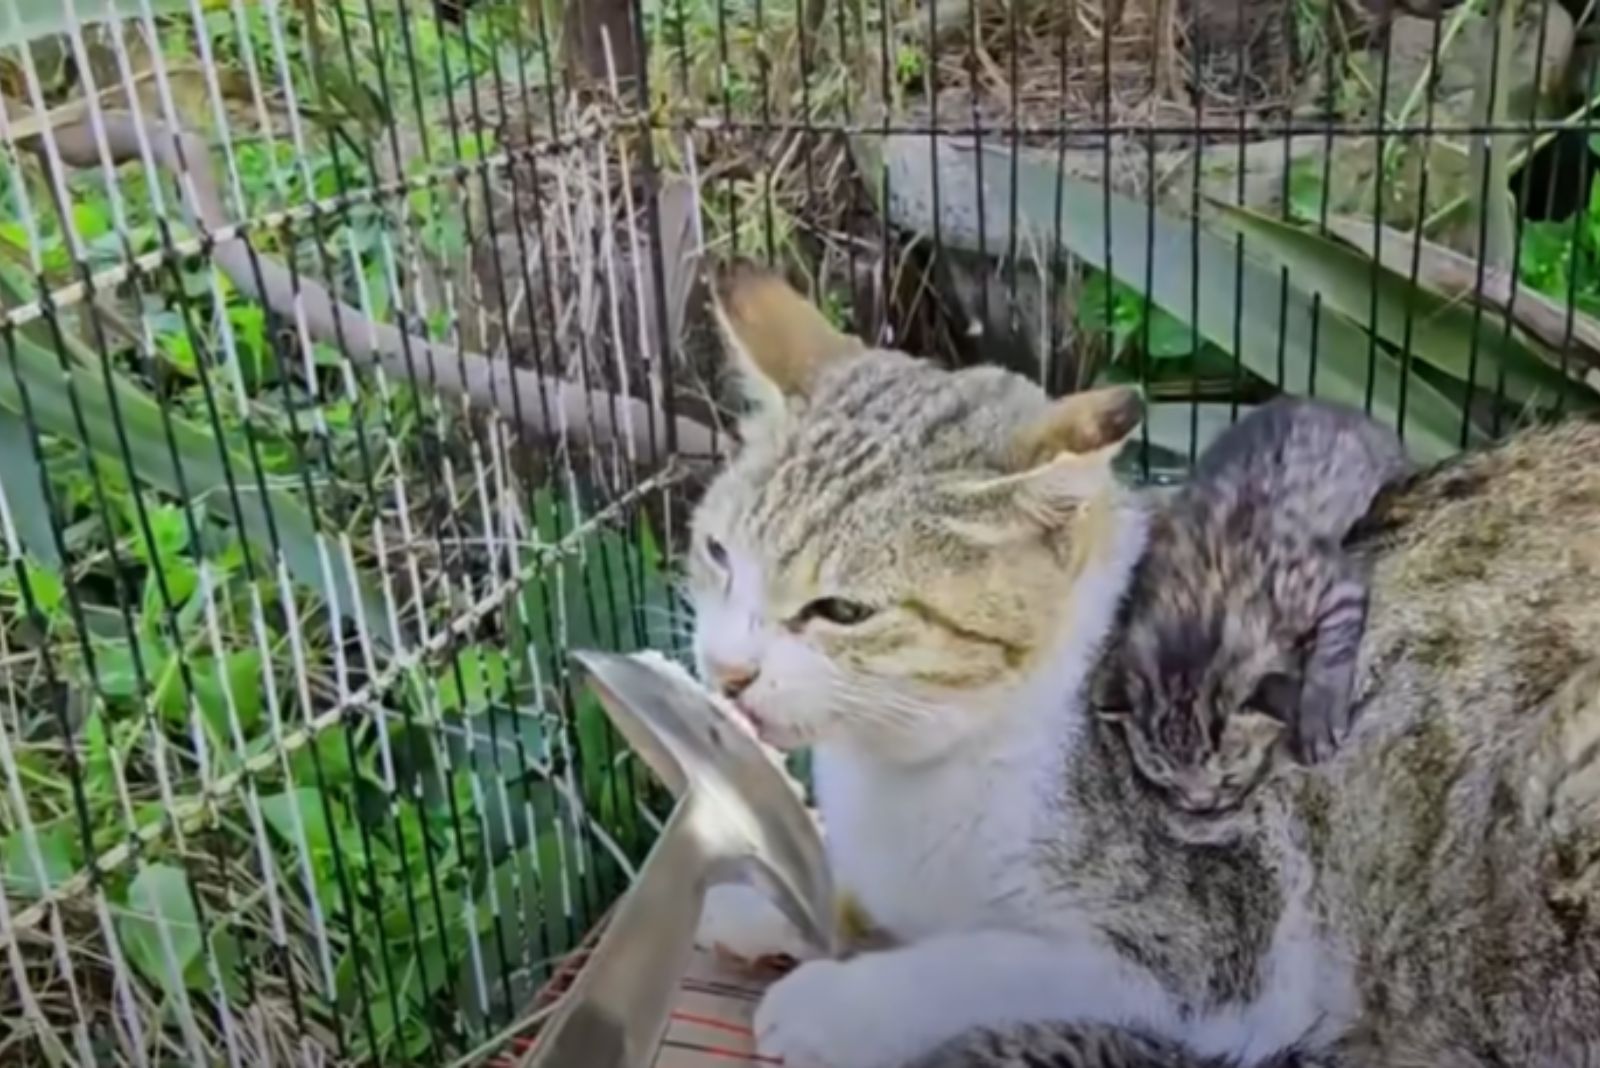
(1057, 1045)
(1245, 615)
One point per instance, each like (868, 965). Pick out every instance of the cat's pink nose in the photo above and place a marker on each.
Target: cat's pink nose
(732, 679)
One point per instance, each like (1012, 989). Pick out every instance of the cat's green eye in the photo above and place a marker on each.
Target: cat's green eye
(838, 611)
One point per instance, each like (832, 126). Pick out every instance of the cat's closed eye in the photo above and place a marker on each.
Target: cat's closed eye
(838, 611)
(716, 551)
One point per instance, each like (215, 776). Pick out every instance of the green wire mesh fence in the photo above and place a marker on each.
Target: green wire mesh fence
(355, 365)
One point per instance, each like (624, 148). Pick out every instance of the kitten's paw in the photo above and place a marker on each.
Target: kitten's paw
(1316, 741)
(739, 922)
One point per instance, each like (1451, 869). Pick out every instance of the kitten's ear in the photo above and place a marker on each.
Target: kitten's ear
(779, 341)
(1277, 694)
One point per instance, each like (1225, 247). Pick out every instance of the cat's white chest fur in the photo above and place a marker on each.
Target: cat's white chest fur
(928, 850)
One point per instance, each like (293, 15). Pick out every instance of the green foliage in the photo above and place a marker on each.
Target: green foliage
(30, 869)
(28, 20)
(158, 447)
(160, 929)
(1276, 332)
(1562, 259)
(1130, 322)
(1449, 337)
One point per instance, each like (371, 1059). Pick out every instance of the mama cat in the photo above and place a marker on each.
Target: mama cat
(915, 571)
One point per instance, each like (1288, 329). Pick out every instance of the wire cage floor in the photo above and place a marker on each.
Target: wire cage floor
(711, 1022)
(355, 365)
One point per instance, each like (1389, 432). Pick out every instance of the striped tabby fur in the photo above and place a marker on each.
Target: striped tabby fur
(1246, 614)
(1083, 1046)
(916, 573)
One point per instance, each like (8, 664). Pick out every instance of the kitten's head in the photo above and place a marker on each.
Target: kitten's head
(895, 548)
(1246, 745)
(1205, 695)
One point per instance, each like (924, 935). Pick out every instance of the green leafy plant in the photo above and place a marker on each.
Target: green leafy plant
(371, 836)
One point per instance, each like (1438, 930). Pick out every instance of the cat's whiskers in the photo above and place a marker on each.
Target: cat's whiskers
(882, 704)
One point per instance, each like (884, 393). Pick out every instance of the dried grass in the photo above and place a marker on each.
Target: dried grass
(755, 108)
(1074, 70)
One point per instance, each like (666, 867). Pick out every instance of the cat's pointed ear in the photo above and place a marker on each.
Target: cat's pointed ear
(780, 342)
(1094, 423)
(1062, 456)
(1056, 461)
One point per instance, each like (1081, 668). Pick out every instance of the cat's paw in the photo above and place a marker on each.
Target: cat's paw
(739, 923)
(832, 1014)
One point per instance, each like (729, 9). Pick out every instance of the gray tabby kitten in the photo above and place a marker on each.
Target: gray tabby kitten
(1083, 1045)
(1246, 614)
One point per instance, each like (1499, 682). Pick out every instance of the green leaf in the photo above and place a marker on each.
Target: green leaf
(159, 906)
(169, 528)
(610, 592)
(91, 218)
(24, 500)
(279, 812)
(496, 734)
(179, 578)
(243, 670)
(1322, 351)
(98, 781)
(203, 469)
(327, 752)
(28, 20)
(595, 752)
(1442, 330)
(1306, 191)
(49, 591)
(477, 679)
(1170, 336)
(242, 673)
(655, 601)
(512, 927)
(58, 855)
(115, 671)
(505, 811)
(557, 859)
(230, 960)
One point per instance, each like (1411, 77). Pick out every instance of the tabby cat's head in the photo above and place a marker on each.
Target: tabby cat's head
(896, 548)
